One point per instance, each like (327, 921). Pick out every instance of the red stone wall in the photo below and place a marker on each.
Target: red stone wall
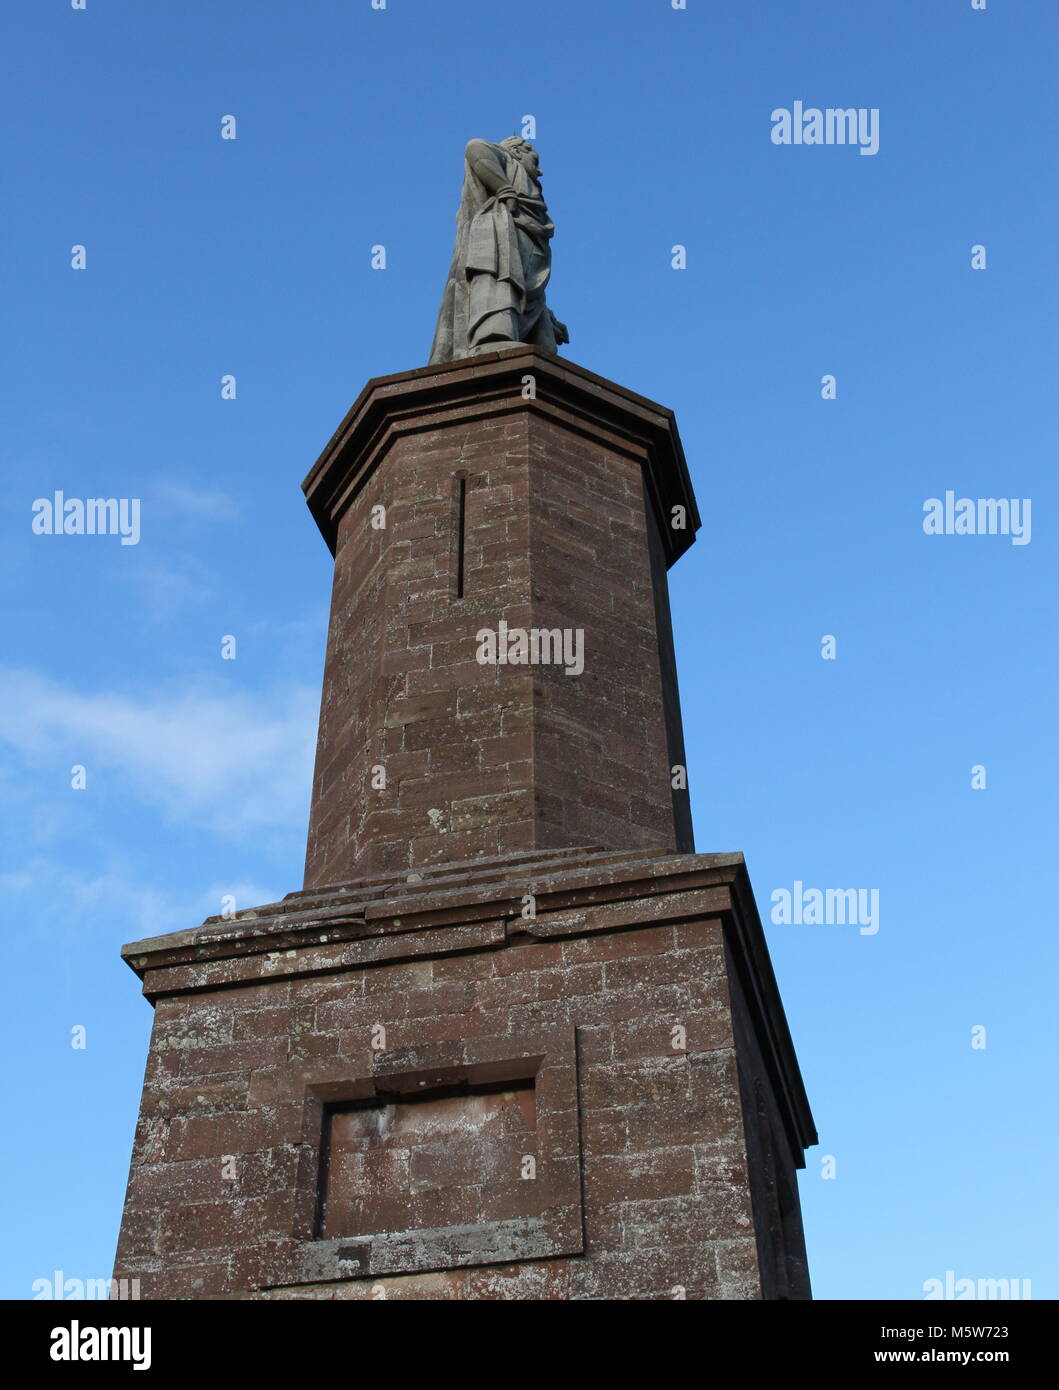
(402, 690)
(483, 760)
(523, 1050)
(601, 766)
(644, 1139)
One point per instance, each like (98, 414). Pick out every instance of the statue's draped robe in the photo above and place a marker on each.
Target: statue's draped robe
(501, 264)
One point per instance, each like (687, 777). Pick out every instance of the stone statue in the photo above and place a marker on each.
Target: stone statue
(494, 297)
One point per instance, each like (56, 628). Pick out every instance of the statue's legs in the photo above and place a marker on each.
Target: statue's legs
(541, 332)
(502, 327)
(510, 328)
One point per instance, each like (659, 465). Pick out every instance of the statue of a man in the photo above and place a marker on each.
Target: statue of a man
(494, 297)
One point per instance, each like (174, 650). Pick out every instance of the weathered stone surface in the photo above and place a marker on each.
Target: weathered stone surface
(513, 1039)
(550, 512)
(652, 1177)
(494, 295)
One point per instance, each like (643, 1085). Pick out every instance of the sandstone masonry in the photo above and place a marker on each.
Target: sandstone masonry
(513, 1039)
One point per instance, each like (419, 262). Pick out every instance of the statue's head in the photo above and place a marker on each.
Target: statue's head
(524, 152)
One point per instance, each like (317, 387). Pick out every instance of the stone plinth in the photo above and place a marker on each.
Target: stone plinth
(560, 1075)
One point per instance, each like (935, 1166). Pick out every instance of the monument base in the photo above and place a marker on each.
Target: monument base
(561, 1074)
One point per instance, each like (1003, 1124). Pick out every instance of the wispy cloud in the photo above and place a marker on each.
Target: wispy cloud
(67, 899)
(201, 504)
(229, 762)
(164, 587)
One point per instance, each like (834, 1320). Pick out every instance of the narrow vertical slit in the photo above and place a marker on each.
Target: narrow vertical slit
(461, 525)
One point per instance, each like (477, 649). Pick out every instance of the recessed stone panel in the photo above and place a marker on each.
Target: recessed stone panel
(448, 1157)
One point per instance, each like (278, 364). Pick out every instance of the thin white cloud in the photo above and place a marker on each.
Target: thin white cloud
(229, 762)
(66, 900)
(199, 503)
(165, 588)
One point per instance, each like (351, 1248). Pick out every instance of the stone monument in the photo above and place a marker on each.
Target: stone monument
(513, 1038)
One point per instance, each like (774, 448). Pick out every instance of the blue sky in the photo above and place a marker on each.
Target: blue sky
(251, 257)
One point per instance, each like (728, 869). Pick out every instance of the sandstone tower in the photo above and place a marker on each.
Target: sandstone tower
(514, 1038)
